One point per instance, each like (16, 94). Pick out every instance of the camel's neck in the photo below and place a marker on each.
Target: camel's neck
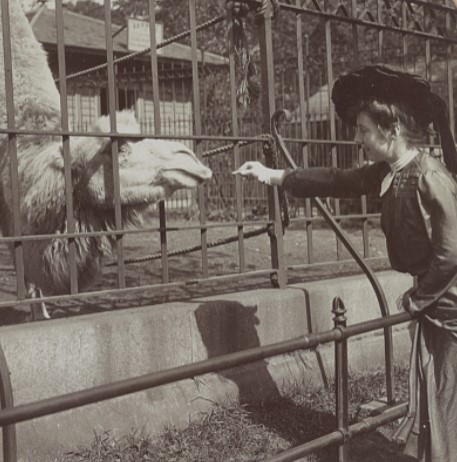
(36, 99)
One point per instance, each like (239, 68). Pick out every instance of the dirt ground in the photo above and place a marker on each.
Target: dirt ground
(222, 260)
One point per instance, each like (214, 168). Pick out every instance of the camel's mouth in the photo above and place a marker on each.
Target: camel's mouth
(187, 178)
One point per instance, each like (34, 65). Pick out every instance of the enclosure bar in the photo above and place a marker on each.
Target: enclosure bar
(268, 107)
(364, 426)
(71, 228)
(126, 386)
(341, 377)
(145, 230)
(329, 262)
(118, 292)
(6, 400)
(380, 32)
(198, 132)
(303, 96)
(365, 215)
(359, 151)
(428, 74)
(450, 79)
(404, 36)
(157, 131)
(369, 24)
(355, 35)
(12, 151)
(361, 158)
(329, 61)
(116, 192)
(235, 132)
(254, 139)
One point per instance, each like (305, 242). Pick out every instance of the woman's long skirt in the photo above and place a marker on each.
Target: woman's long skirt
(430, 427)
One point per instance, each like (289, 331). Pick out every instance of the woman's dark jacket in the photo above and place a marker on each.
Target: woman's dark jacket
(418, 217)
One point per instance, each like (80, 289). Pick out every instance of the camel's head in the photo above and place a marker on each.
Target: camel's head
(149, 170)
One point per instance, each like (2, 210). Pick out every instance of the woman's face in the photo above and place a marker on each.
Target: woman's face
(375, 142)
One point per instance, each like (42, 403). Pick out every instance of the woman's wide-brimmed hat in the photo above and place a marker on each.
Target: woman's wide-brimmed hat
(390, 85)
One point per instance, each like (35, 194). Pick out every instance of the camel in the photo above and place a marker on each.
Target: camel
(149, 169)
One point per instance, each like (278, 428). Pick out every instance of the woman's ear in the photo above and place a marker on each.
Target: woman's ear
(395, 130)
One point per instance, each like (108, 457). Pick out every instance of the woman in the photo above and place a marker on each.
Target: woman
(392, 111)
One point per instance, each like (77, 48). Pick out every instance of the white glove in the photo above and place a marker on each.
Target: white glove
(254, 169)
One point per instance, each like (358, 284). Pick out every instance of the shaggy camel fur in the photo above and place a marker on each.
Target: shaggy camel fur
(150, 170)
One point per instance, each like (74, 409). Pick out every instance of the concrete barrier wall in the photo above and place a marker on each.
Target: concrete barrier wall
(64, 355)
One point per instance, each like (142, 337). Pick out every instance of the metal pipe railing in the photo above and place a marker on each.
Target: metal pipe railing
(24, 412)
(6, 401)
(341, 376)
(369, 273)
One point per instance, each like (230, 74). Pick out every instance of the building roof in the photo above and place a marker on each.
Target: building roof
(88, 34)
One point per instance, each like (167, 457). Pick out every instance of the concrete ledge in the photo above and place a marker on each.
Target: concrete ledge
(63, 355)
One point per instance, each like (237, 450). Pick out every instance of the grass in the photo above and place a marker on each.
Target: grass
(255, 431)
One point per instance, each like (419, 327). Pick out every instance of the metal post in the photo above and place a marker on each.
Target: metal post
(341, 378)
(6, 401)
(268, 106)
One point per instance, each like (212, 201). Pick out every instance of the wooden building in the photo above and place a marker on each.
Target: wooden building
(85, 47)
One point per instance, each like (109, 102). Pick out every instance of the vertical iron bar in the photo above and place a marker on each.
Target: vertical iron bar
(380, 34)
(6, 401)
(157, 131)
(114, 143)
(404, 36)
(334, 152)
(363, 199)
(341, 378)
(268, 106)
(235, 133)
(450, 77)
(308, 203)
(303, 111)
(66, 146)
(198, 131)
(355, 35)
(12, 152)
(428, 75)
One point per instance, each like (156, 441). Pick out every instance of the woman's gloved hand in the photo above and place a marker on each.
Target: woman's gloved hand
(256, 170)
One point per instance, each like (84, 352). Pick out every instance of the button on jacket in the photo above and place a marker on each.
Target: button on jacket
(418, 218)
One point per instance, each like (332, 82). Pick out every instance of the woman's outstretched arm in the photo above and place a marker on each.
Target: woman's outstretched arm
(320, 181)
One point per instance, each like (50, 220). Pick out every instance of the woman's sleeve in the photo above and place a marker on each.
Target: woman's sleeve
(438, 195)
(335, 182)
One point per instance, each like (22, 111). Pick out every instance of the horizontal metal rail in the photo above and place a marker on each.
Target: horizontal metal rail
(77, 399)
(38, 237)
(364, 23)
(137, 136)
(366, 425)
(125, 290)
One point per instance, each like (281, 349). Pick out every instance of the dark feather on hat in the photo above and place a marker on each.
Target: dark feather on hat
(385, 84)
(393, 86)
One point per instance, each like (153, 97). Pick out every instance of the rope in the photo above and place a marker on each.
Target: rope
(228, 240)
(166, 42)
(229, 147)
(174, 253)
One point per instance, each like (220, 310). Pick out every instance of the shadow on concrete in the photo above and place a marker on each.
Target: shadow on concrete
(228, 326)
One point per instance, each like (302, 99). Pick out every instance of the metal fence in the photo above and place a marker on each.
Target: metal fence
(344, 431)
(289, 76)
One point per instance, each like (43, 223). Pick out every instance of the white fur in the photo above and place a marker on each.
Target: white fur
(150, 170)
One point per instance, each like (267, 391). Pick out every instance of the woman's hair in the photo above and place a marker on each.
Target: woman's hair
(386, 114)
